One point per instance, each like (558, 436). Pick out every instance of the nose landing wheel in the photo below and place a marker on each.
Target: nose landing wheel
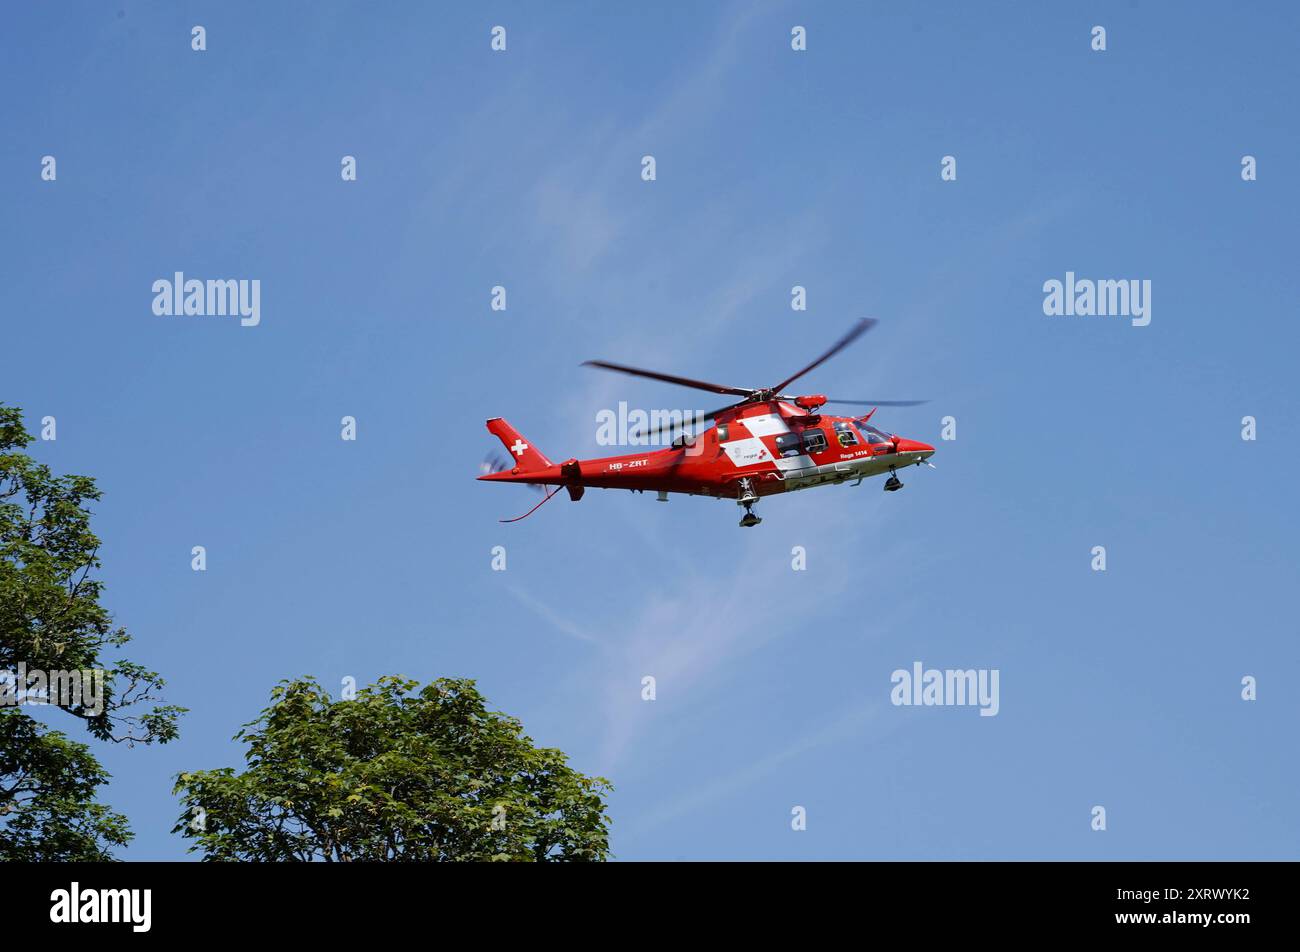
(893, 484)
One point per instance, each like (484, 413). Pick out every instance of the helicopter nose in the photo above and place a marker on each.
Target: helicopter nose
(915, 446)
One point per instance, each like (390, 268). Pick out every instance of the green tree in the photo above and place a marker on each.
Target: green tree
(50, 811)
(397, 773)
(51, 620)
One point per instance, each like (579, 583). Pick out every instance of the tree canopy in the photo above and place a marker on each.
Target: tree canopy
(397, 772)
(51, 620)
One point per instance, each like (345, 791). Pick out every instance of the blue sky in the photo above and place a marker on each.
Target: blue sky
(774, 169)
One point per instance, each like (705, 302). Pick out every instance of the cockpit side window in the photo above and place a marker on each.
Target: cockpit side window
(844, 433)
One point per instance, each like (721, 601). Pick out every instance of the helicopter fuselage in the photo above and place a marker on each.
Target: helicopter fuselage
(765, 443)
(762, 448)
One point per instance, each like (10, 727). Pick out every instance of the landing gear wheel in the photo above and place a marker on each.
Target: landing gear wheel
(747, 497)
(893, 484)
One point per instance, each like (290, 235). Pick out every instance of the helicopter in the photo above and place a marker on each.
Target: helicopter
(765, 443)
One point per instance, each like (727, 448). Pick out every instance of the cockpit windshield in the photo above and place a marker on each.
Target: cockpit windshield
(873, 435)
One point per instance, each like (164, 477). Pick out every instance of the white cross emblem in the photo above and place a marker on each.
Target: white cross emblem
(519, 447)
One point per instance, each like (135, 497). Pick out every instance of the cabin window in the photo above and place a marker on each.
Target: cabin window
(814, 441)
(722, 432)
(787, 444)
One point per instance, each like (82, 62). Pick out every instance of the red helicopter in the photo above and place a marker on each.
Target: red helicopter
(764, 444)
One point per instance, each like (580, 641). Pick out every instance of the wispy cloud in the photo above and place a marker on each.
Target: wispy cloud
(699, 628)
(576, 210)
(552, 618)
(849, 724)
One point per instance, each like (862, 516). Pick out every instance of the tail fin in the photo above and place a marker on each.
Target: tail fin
(523, 454)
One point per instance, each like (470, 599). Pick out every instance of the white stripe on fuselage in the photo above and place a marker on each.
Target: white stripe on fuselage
(765, 424)
(747, 452)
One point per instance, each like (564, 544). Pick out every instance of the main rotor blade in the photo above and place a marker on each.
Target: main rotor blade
(668, 427)
(668, 378)
(860, 328)
(881, 403)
